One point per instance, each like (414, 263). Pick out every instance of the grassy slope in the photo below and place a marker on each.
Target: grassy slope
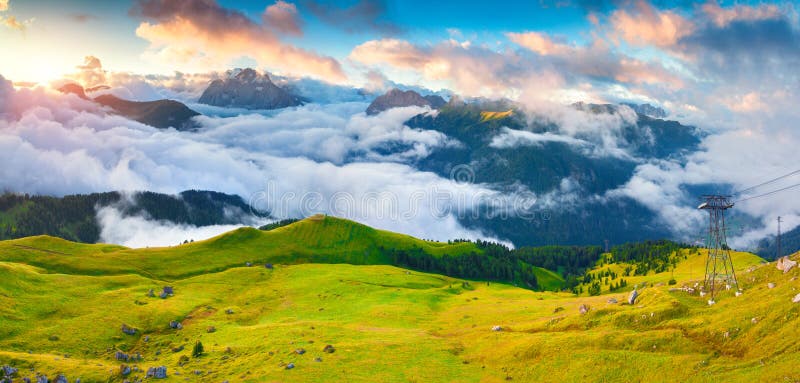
(693, 267)
(326, 240)
(386, 323)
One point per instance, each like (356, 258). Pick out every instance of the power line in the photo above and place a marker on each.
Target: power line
(767, 182)
(769, 193)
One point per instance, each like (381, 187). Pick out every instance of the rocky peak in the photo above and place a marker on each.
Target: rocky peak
(397, 98)
(246, 88)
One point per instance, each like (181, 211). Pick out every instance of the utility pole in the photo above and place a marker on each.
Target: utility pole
(719, 266)
(779, 238)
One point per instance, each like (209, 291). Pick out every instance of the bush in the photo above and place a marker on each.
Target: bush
(197, 351)
(672, 282)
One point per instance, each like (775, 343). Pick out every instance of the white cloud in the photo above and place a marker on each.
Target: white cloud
(57, 144)
(138, 231)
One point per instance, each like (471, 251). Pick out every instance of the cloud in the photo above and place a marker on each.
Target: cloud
(539, 43)
(469, 69)
(282, 17)
(740, 12)
(13, 23)
(511, 138)
(363, 15)
(302, 161)
(200, 34)
(596, 60)
(645, 25)
(83, 17)
(138, 231)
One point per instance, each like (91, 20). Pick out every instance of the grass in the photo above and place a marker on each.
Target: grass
(61, 311)
(489, 115)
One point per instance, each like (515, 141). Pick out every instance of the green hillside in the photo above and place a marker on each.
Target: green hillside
(62, 306)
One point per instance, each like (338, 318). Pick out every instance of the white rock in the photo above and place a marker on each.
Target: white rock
(796, 299)
(785, 264)
(771, 285)
(711, 302)
(497, 328)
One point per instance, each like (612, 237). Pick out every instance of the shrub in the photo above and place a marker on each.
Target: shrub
(197, 350)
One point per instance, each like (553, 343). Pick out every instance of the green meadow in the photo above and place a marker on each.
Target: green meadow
(62, 305)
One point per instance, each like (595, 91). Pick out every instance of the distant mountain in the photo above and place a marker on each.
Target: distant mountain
(397, 98)
(161, 114)
(73, 88)
(790, 244)
(565, 176)
(648, 110)
(248, 89)
(74, 217)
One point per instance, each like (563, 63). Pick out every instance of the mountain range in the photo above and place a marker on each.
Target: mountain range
(248, 89)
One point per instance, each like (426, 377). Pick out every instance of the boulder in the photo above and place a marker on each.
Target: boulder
(796, 299)
(290, 366)
(151, 293)
(168, 290)
(42, 379)
(269, 266)
(583, 309)
(175, 325)
(318, 359)
(124, 370)
(329, 349)
(157, 372)
(497, 328)
(785, 264)
(300, 351)
(211, 329)
(61, 379)
(229, 311)
(128, 330)
(632, 297)
(119, 355)
(612, 301)
(770, 285)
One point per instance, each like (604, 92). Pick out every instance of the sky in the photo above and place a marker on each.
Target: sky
(728, 68)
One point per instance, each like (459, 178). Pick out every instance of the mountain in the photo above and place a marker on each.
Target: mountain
(397, 98)
(332, 320)
(569, 178)
(72, 88)
(74, 217)
(248, 89)
(161, 114)
(767, 248)
(647, 110)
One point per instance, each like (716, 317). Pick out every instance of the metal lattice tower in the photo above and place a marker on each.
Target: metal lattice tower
(719, 266)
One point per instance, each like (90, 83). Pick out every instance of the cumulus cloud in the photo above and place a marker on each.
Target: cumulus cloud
(203, 35)
(645, 25)
(282, 17)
